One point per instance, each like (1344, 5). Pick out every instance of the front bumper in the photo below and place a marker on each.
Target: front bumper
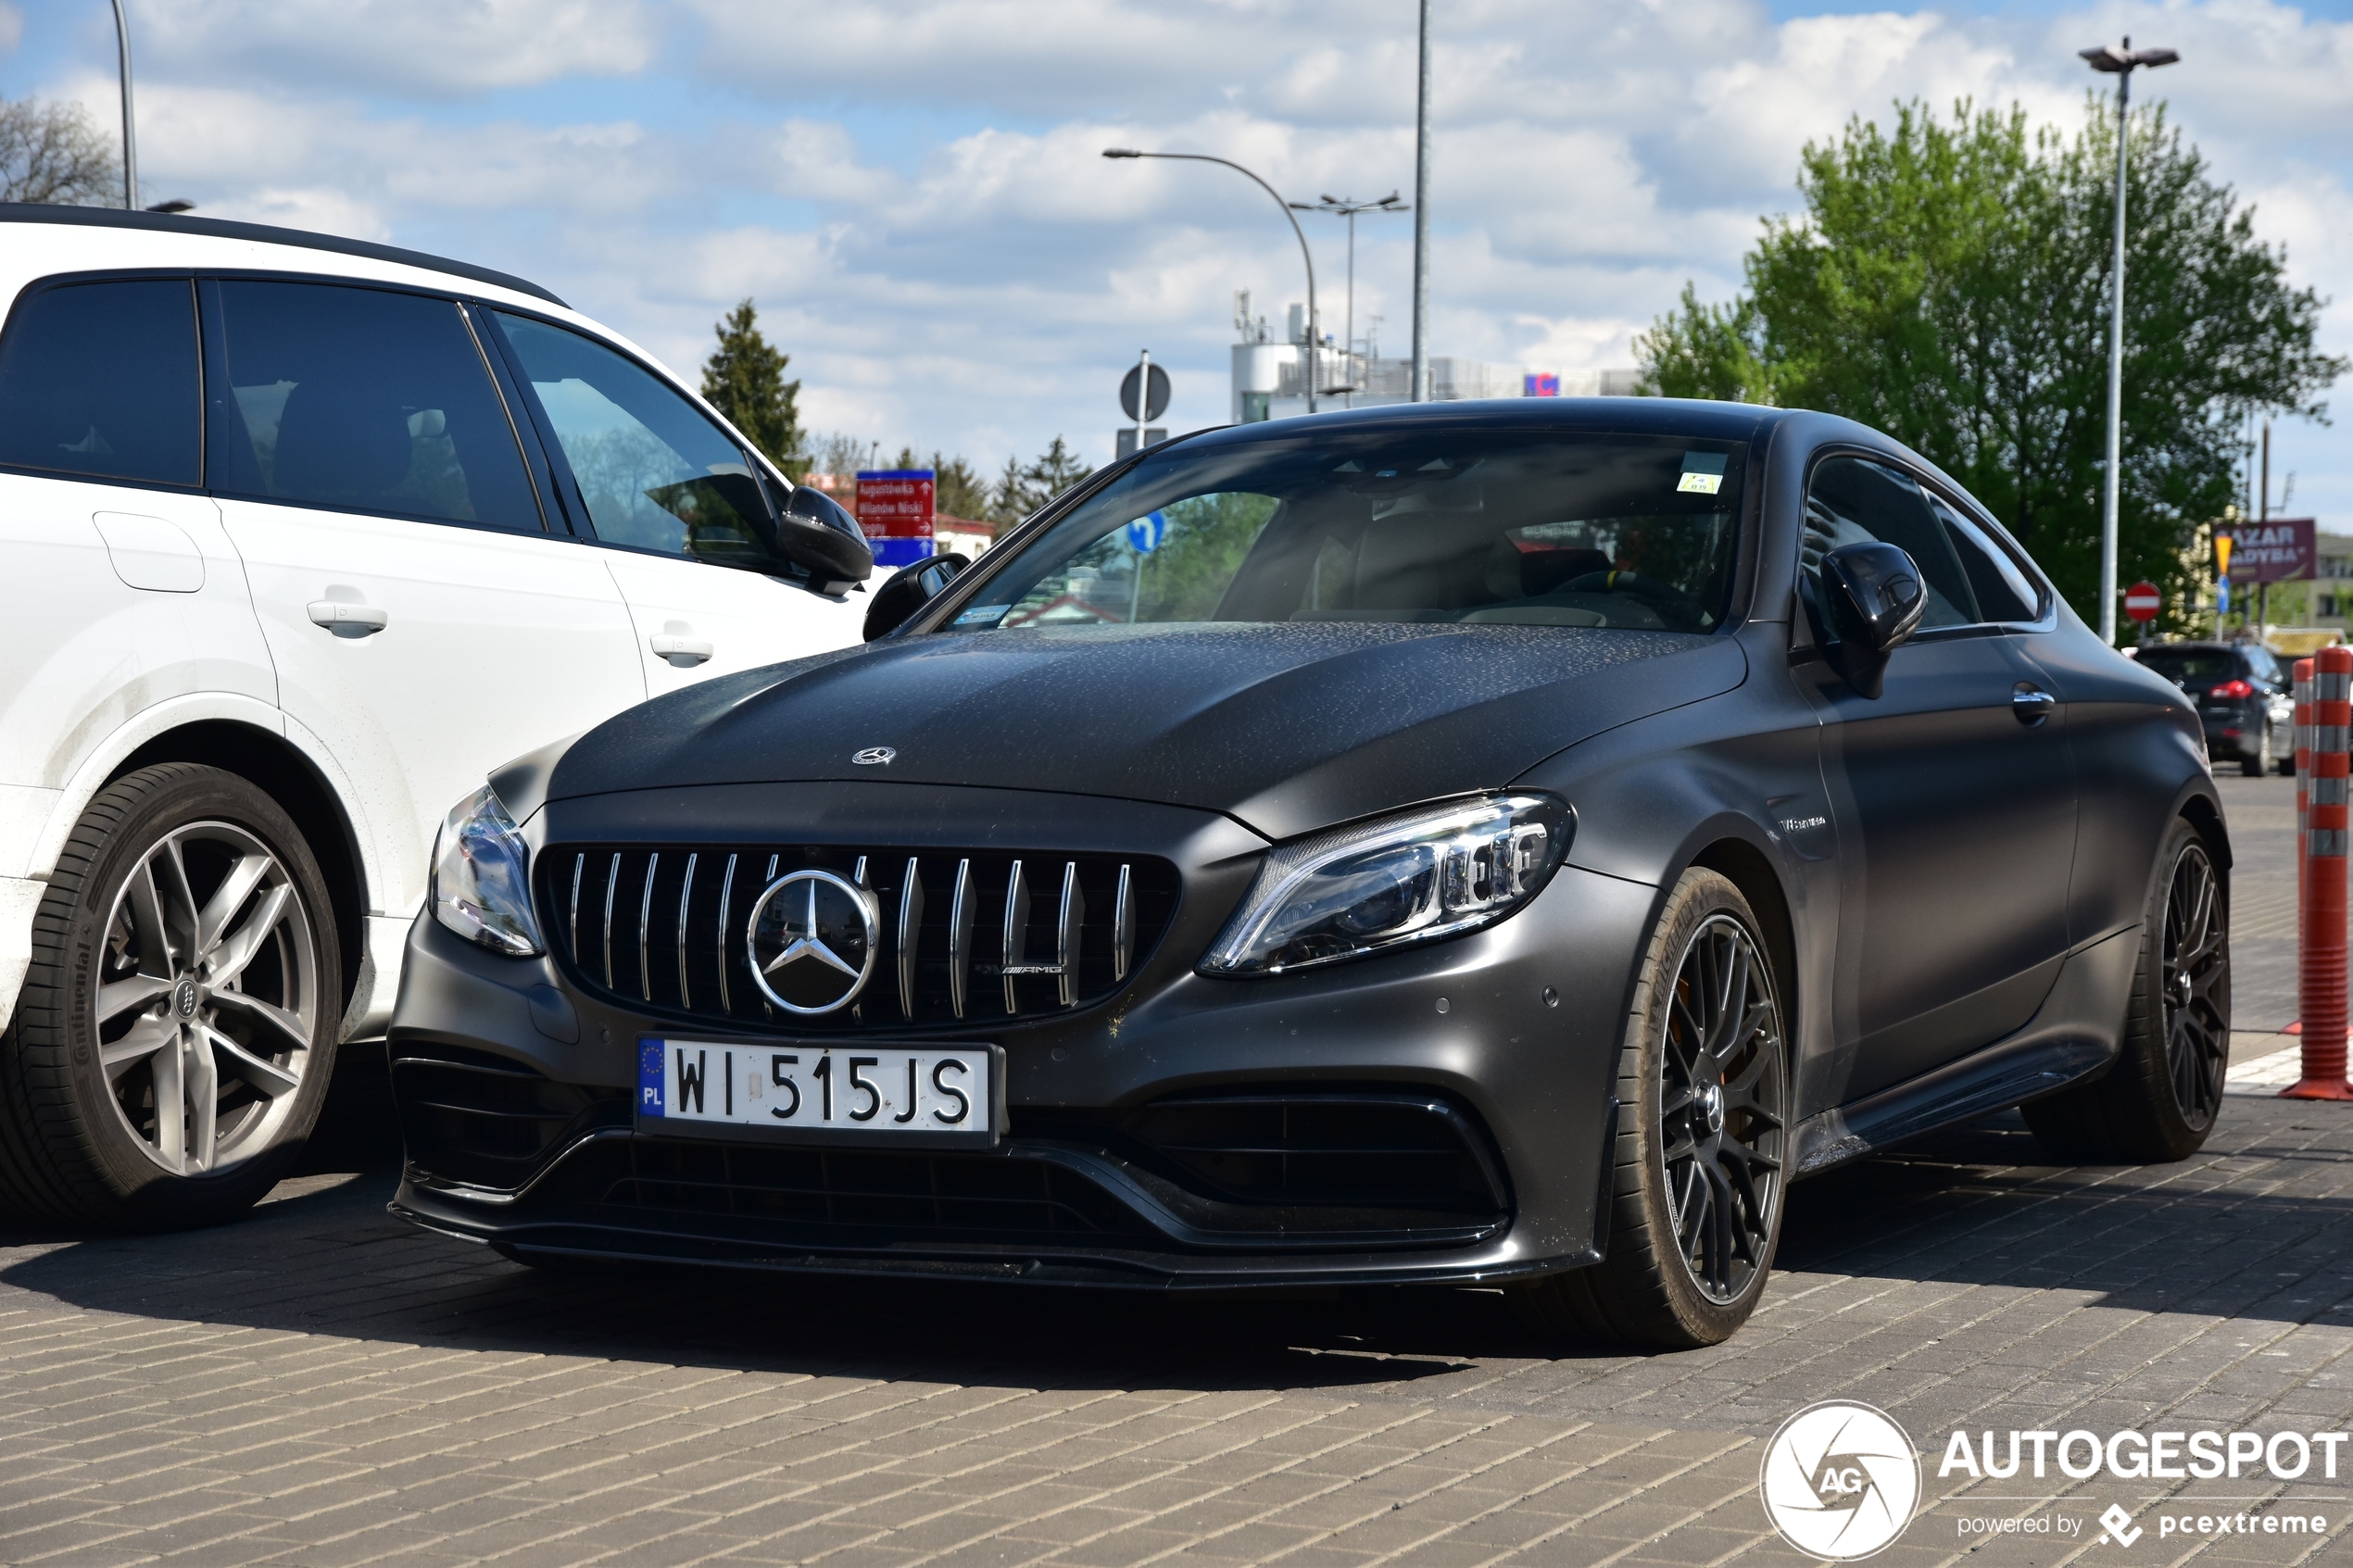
(1463, 1124)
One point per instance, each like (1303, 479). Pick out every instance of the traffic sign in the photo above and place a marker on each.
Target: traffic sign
(2142, 601)
(1144, 534)
(1160, 392)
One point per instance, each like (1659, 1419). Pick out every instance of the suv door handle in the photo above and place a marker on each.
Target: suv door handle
(348, 621)
(2031, 704)
(683, 653)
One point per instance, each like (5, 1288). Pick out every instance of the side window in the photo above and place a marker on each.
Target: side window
(653, 471)
(1852, 501)
(364, 398)
(2004, 591)
(100, 379)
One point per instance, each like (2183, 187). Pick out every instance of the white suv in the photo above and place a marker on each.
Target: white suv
(300, 537)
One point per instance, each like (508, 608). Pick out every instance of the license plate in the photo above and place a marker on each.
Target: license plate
(796, 1092)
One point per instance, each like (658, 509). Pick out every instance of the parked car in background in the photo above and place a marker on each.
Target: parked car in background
(2246, 698)
(299, 535)
(1500, 843)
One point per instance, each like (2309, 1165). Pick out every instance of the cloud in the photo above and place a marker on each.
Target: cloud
(913, 191)
(430, 47)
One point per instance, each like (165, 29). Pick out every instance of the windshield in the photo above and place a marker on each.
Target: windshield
(1499, 528)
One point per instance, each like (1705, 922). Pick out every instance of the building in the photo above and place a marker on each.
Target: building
(1270, 376)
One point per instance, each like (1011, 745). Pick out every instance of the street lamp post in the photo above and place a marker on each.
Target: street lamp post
(129, 136)
(1421, 220)
(1347, 208)
(2121, 63)
(1303, 253)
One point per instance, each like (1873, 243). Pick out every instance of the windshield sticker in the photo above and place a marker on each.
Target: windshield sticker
(980, 613)
(1703, 473)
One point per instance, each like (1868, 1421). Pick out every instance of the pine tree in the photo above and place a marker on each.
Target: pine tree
(744, 379)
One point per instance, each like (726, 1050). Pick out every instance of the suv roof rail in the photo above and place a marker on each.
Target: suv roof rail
(266, 233)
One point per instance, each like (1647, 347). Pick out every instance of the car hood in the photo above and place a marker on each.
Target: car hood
(1286, 728)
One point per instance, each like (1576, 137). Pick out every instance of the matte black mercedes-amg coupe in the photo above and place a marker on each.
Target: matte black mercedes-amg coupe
(1503, 842)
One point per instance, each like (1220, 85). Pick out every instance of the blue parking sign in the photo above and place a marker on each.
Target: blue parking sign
(1145, 534)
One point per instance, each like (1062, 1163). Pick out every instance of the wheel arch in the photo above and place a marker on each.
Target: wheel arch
(2205, 814)
(276, 766)
(1748, 868)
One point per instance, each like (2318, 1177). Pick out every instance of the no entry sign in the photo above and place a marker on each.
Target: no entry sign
(2142, 601)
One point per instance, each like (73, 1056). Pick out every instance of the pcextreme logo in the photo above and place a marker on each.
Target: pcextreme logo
(1840, 1481)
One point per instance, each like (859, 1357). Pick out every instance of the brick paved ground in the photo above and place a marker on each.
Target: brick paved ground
(320, 1386)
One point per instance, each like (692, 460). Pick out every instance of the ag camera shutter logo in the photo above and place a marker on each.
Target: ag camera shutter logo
(1840, 1481)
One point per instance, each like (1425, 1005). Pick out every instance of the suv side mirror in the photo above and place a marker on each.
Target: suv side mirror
(818, 536)
(1874, 601)
(908, 590)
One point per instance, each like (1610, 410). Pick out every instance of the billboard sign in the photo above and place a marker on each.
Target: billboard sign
(1542, 383)
(895, 513)
(2280, 549)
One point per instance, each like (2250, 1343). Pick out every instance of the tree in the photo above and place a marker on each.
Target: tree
(744, 379)
(960, 490)
(1021, 491)
(1948, 282)
(52, 155)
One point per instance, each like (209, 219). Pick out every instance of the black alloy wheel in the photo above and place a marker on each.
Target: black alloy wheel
(1698, 1172)
(2198, 1029)
(2159, 1100)
(1718, 1100)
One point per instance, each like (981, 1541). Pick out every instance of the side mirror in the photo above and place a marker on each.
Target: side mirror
(908, 590)
(818, 536)
(1874, 601)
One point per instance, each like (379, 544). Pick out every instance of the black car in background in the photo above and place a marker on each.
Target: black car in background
(1503, 842)
(2246, 698)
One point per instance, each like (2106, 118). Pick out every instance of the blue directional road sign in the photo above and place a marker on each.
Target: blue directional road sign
(1144, 534)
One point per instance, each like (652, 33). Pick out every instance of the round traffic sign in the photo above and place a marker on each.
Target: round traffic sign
(2142, 601)
(1145, 534)
(1157, 405)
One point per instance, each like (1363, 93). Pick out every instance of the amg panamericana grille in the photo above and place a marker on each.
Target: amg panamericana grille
(961, 936)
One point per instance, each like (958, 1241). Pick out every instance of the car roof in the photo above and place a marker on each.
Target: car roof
(264, 233)
(1625, 416)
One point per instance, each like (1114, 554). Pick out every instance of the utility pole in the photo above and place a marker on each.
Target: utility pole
(2263, 514)
(2121, 63)
(129, 134)
(1421, 222)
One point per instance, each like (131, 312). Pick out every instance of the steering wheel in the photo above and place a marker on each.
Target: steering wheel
(1651, 590)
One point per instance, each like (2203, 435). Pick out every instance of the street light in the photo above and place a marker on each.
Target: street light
(2120, 63)
(1347, 208)
(1305, 255)
(130, 139)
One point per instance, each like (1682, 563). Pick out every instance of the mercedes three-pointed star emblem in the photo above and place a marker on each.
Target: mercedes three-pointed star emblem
(812, 939)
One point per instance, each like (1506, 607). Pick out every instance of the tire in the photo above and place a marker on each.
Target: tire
(2159, 1101)
(1714, 1161)
(187, 910)
(2259, 764)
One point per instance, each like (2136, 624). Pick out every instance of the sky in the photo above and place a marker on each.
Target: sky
(912, 190)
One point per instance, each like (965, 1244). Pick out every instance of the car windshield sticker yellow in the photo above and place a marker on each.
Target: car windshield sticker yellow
(1703, 472)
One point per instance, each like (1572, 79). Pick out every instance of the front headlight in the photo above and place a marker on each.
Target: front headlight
(1419, 877)
(481, 881)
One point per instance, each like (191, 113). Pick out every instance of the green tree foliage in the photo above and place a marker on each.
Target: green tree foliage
(744, 379)
(51, 154)
(1207, 537)
(1949, 281)
(960, 491)
(1021, 490)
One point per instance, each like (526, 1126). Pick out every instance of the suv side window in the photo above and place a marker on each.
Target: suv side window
(653, 471)
(1853, 500)
(100, 379)
(362, 398)
(2004, 591)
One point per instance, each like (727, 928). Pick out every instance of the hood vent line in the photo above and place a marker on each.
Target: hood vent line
(960, 938)
(1001, 929)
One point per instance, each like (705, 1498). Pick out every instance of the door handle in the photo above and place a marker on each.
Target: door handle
(348, 621)
(683, 653)
(2032, 703)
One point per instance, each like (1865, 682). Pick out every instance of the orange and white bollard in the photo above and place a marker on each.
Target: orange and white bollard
(2321, 955)
(2303, 733)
